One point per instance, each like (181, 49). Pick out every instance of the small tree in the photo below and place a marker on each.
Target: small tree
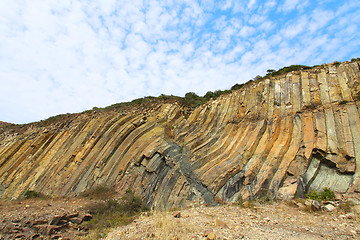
(270, 71)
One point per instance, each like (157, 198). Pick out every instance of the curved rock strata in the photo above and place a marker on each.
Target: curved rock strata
(280, 136)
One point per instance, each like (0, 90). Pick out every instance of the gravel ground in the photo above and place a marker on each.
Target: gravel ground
(271, 221)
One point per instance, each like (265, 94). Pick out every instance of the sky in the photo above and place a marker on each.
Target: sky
(67, 56)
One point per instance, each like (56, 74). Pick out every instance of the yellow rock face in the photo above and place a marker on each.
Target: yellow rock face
(278, 137)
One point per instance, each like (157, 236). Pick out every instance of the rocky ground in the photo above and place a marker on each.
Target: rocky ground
(64, 218)
(269, 221)
(43, 219)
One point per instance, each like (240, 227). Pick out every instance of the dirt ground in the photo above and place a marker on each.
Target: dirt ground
(270, 221)
(63, 218)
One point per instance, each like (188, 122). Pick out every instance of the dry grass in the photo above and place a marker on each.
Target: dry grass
(279, 220)
(168, 227)
(111, 213)
(98, 192)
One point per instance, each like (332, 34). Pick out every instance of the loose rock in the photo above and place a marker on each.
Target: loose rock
(329, 208)
(177, 214)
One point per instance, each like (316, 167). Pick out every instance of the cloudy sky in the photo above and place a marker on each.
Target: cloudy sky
(64, 56)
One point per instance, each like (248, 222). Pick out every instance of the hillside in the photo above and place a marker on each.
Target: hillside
(277, 137)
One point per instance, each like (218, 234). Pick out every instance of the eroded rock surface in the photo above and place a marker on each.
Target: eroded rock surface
(278, 137)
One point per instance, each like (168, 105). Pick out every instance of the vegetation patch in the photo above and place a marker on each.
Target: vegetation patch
(343, 102)
(112, 213)
(33, 194)
(325, 195)
(281, 71)
(98, 192)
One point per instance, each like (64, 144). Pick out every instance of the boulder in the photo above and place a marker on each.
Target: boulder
(177, 214)
(329, 208)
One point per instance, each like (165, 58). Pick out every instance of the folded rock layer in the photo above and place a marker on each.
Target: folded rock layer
(278, 137)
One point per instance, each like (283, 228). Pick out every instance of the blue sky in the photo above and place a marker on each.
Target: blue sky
(71, 55)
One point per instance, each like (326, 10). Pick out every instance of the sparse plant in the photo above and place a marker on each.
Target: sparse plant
(357, 96)
(343, 102)
(98, 192)
(168, 227)
(312, 106)
(112, 213)
(168, 131)
(345, 206)
(259, 96)
(245, 203)
(264, 196)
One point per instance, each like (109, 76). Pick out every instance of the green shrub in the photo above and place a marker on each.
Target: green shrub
(237, 86)
(191, 99)
(112, 213)
(312, 195)
(258, 78)
(325, 195)
(33, 194)
(343, 102)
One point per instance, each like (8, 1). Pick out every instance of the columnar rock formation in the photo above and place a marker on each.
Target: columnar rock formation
(280, 137)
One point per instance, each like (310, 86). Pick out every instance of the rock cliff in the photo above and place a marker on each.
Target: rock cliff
(278, 137)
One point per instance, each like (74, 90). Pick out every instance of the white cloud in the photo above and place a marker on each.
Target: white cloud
(251, 4)
(247, 31)
(289, 5)
(68, 56)
(320, 18)
(270, 4)
(207, 4)
(256, 19)
(267, 26)
(294, 29)
(225, 5)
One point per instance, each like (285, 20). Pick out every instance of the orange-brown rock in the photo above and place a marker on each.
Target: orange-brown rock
(279, 136)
